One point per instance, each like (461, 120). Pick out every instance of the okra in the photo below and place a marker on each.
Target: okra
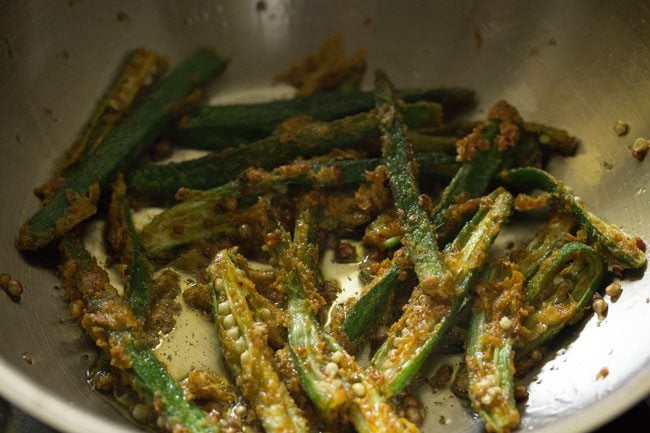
(123, 238)
(499, 309)
(77, 199)
(159, 183)
(142, 69)
(418, 237)
(221, 126)
(491, 383)
(427, 317)
(330, 376)
(558, 303)
(245, 349)
(111, 324)
(163, 234)
(550, 237)
(364, 313)
(615, 245)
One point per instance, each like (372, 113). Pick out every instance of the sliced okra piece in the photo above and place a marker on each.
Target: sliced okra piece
(221, 126)
(159, 183)
(579, 269)
(108, 320)
(244, 345)
(427, 317)
(609, 240)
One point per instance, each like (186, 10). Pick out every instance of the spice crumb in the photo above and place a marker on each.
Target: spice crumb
(603, 373)
(441, 377)
(614, 290)
(600, 307)
(640, 148)
(552, 42)
(521, 393)
(621, 128)
(608, 165)
(27, 358)
(12, 287)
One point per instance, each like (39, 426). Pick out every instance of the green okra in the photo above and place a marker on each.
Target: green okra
(557, 304)
(221, 126)
(109, 321)
(418, 237)
(474, 177)
(142, 70)
(246, 351)
(554, 233)
(77, 199)
(500, 305)
(161, 235)
(159, 183)
(150, 377)
(332, 379)
(124, 240)
(364, 313)
(428, 316)
(490, 374)
(609, 240)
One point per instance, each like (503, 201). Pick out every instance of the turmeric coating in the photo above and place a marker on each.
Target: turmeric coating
(326, 70)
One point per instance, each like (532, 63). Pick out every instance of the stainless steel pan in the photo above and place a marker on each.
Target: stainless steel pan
(579, 65)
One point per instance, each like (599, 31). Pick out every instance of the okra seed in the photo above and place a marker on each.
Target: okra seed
(245, 357)
(240, 410)
(264, 313)
(219, 284)
(141, 412)
(337, 356)
(232, 333)
(505, 323)
(520, 393)
(229, 321)
(245, 231)
(331, 369)
(621, 128)
(600, 307)
(640, 148)
(240, 344)
(565, 286)
(414, 415)
(359, 389)
(224, 308)
(614, 290)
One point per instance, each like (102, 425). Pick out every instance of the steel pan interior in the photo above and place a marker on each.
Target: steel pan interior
(578, 65)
